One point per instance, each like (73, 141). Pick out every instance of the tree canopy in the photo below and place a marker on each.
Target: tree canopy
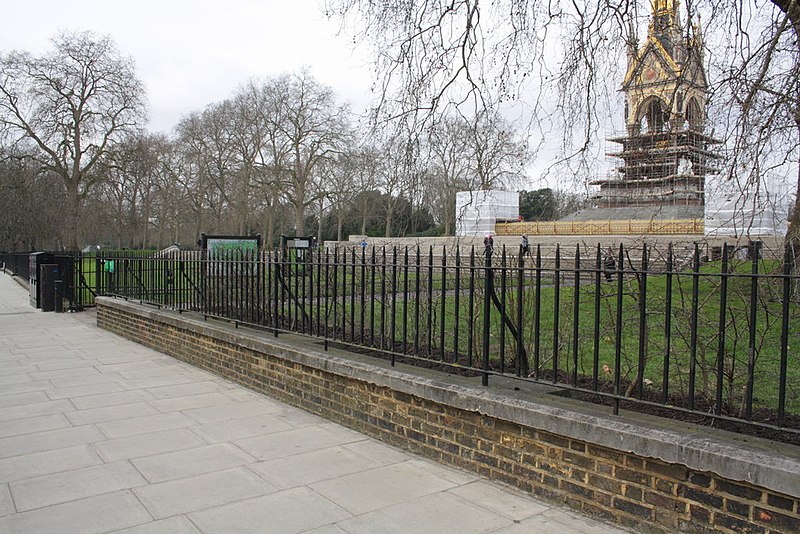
(66, 109)
(566, 59)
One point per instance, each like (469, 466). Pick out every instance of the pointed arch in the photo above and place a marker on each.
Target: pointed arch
(653, 115)
(695, 115)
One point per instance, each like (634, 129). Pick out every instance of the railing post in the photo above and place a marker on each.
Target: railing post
(618, 328)
(755, 250)
(642, 323)
(556, 311)
(487, 288)
(788, 260)
(521, 367)
(694, 325)
(723, 306)
(576, 300)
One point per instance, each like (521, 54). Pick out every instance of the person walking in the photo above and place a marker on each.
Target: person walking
(609, 264)
(488, 245)
(525, 246)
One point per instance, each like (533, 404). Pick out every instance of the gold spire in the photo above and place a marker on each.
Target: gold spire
(664, 7)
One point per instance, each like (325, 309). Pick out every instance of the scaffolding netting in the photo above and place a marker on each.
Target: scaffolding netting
(478, 211)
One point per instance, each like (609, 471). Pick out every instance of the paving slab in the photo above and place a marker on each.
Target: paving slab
(6, 504)
(232, 410)
(182, 390)
(47, 490)
(143, 425)
(382, 487)
(33, 424)
(191, 462)
(176, 497)
(289, 511)
(48, 440)
(314, 466)
(108, 385)
(14, 379)
(99, 434)
(15, 368)
(48, 462)
(111, 413)
(36, 409)
(238, 429)
(291, 442)
(442, 513)
(172, 525)
(95, 515)
(202, 400)
(110, 399)
(148, 444)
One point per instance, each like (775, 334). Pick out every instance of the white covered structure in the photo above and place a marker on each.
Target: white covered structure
(732, 210)
(478, 211)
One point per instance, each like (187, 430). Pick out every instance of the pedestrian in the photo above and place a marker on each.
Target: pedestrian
(609, 264)
(488, 245)
(364, 244)
(524, 246)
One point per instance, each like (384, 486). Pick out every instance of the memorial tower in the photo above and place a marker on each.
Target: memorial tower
(665, 151)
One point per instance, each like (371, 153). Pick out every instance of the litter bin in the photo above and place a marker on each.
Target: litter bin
(36, 260)
(49, 274)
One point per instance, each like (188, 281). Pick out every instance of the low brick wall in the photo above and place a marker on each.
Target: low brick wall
(642, 477)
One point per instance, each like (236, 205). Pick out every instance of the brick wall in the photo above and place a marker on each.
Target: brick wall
(642, 493)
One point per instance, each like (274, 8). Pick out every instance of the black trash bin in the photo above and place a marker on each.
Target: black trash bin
(36, 260)
(49, 274)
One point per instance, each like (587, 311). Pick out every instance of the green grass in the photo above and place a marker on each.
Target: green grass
(450, 313)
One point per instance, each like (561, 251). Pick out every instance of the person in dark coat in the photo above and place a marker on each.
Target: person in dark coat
(488, 245)
(609, 264)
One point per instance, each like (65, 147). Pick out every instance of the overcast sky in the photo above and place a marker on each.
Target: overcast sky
(190, 53)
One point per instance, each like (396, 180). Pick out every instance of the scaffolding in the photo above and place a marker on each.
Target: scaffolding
(759, 208)
(477, 212)
(659, 168)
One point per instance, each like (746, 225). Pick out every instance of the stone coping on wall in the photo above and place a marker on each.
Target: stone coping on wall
(773, 466)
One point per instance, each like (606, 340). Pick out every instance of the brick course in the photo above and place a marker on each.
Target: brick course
(645, 494)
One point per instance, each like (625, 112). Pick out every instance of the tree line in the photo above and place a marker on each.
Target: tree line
(280, 156)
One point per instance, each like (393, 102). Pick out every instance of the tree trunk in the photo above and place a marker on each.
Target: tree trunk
(389, 215)
(270, 226)
(146, 218)
(319, 222)
(339, 224)
(299, 218)
(72, 216)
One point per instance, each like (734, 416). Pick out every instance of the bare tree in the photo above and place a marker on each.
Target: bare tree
(396, 174)
(497, 156)
(30, 202)
(340, 187)
(312, 129)
(447, 145)
(66, 109)
(132, 172)
(365, 168)
(250, 139)
(567, 59)
(208, 141)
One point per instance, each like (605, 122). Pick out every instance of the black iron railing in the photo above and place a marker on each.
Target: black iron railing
(660, 330)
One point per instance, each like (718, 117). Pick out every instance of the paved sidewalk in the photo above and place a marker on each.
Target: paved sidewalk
(99, 434)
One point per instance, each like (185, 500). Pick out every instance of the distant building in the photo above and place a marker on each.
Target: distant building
(478, 211)
(751, 210)
(665, 153)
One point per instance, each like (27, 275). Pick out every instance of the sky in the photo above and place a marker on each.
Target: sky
(191, 53)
